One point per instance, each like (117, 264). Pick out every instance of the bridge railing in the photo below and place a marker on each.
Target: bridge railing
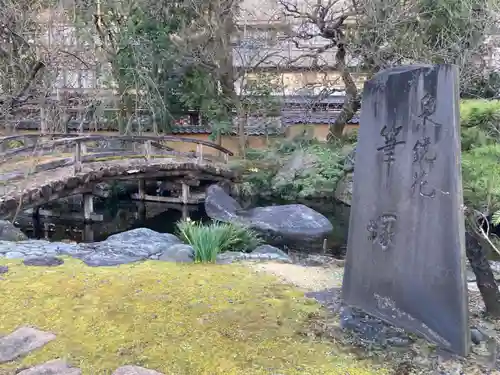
(80, 150)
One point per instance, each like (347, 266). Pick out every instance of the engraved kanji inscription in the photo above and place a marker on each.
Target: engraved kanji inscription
(420, 182)
(424, 155)
(424, 158)
(390, 135)
(421, 149)
(427, 105)
(382, 230)
(427, 109)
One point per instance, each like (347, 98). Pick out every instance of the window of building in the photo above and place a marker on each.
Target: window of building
(72, 79)
(87, 79)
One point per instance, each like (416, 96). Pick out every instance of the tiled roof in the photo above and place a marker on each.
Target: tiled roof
(305, 99)
(190, 129)
(255, 126)
(288, 119)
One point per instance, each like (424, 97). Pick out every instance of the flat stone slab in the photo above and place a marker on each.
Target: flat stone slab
(135, 370)
(48, 261)
(23, 341)
(54, 367)
(131, 246)
(4, 269)
(263, 253)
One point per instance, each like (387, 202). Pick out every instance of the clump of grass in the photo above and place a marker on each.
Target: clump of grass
(217, 237)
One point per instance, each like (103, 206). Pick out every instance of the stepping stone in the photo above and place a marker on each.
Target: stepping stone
(54, 367)
(47, 261)
(135, 370)
(4, 269)
(22, 341)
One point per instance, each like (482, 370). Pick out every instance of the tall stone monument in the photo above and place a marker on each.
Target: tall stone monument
(406, 257)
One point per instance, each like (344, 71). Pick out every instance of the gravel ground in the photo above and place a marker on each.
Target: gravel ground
(309, 278)
(420, 359)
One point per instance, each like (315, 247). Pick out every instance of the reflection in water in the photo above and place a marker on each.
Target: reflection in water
(120, 217)
(123, 215)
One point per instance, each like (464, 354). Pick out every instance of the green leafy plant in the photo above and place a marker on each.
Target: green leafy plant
(481, 178)
(495, 218)
(215, 238)
(481, 188)
(480, 123)
(322, 168)
(15, 144)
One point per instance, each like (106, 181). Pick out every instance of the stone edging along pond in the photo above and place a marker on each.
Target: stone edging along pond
(127, 247)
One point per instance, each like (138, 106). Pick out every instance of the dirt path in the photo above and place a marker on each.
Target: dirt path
(309, 278)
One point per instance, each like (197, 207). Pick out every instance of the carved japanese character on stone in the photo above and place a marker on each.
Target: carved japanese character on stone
(382, 230)
(390, 135)
(427, 105)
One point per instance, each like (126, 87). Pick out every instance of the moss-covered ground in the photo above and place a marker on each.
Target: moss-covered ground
(176, 319)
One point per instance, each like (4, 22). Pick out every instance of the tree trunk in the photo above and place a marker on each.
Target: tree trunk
(242, 125)
(484, 275)
(224, 56)
(351, 101)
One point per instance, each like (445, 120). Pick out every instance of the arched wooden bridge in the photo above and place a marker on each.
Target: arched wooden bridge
(37, 169)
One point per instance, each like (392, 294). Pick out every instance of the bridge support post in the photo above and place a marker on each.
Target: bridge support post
(142, 190)
(88, 207)
(88, 233)
(185, 193)
(141, 211)
(78, 157)
(46, 231)
(36, 212)
(37, 227)
(147, 150)
(199, 153)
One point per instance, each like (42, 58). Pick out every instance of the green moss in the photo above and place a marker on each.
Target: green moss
(177, 319)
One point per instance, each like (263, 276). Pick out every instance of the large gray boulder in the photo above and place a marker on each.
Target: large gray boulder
(127, 247)
(8, 232)
(122, 248)
(219, 205)
(294, 226)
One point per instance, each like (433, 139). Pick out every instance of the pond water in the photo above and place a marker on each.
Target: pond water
(119, 215)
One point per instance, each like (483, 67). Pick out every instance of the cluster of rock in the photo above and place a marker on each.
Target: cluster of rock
(122, 248)
(261, 253)
(25, 340)
(292, 226)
